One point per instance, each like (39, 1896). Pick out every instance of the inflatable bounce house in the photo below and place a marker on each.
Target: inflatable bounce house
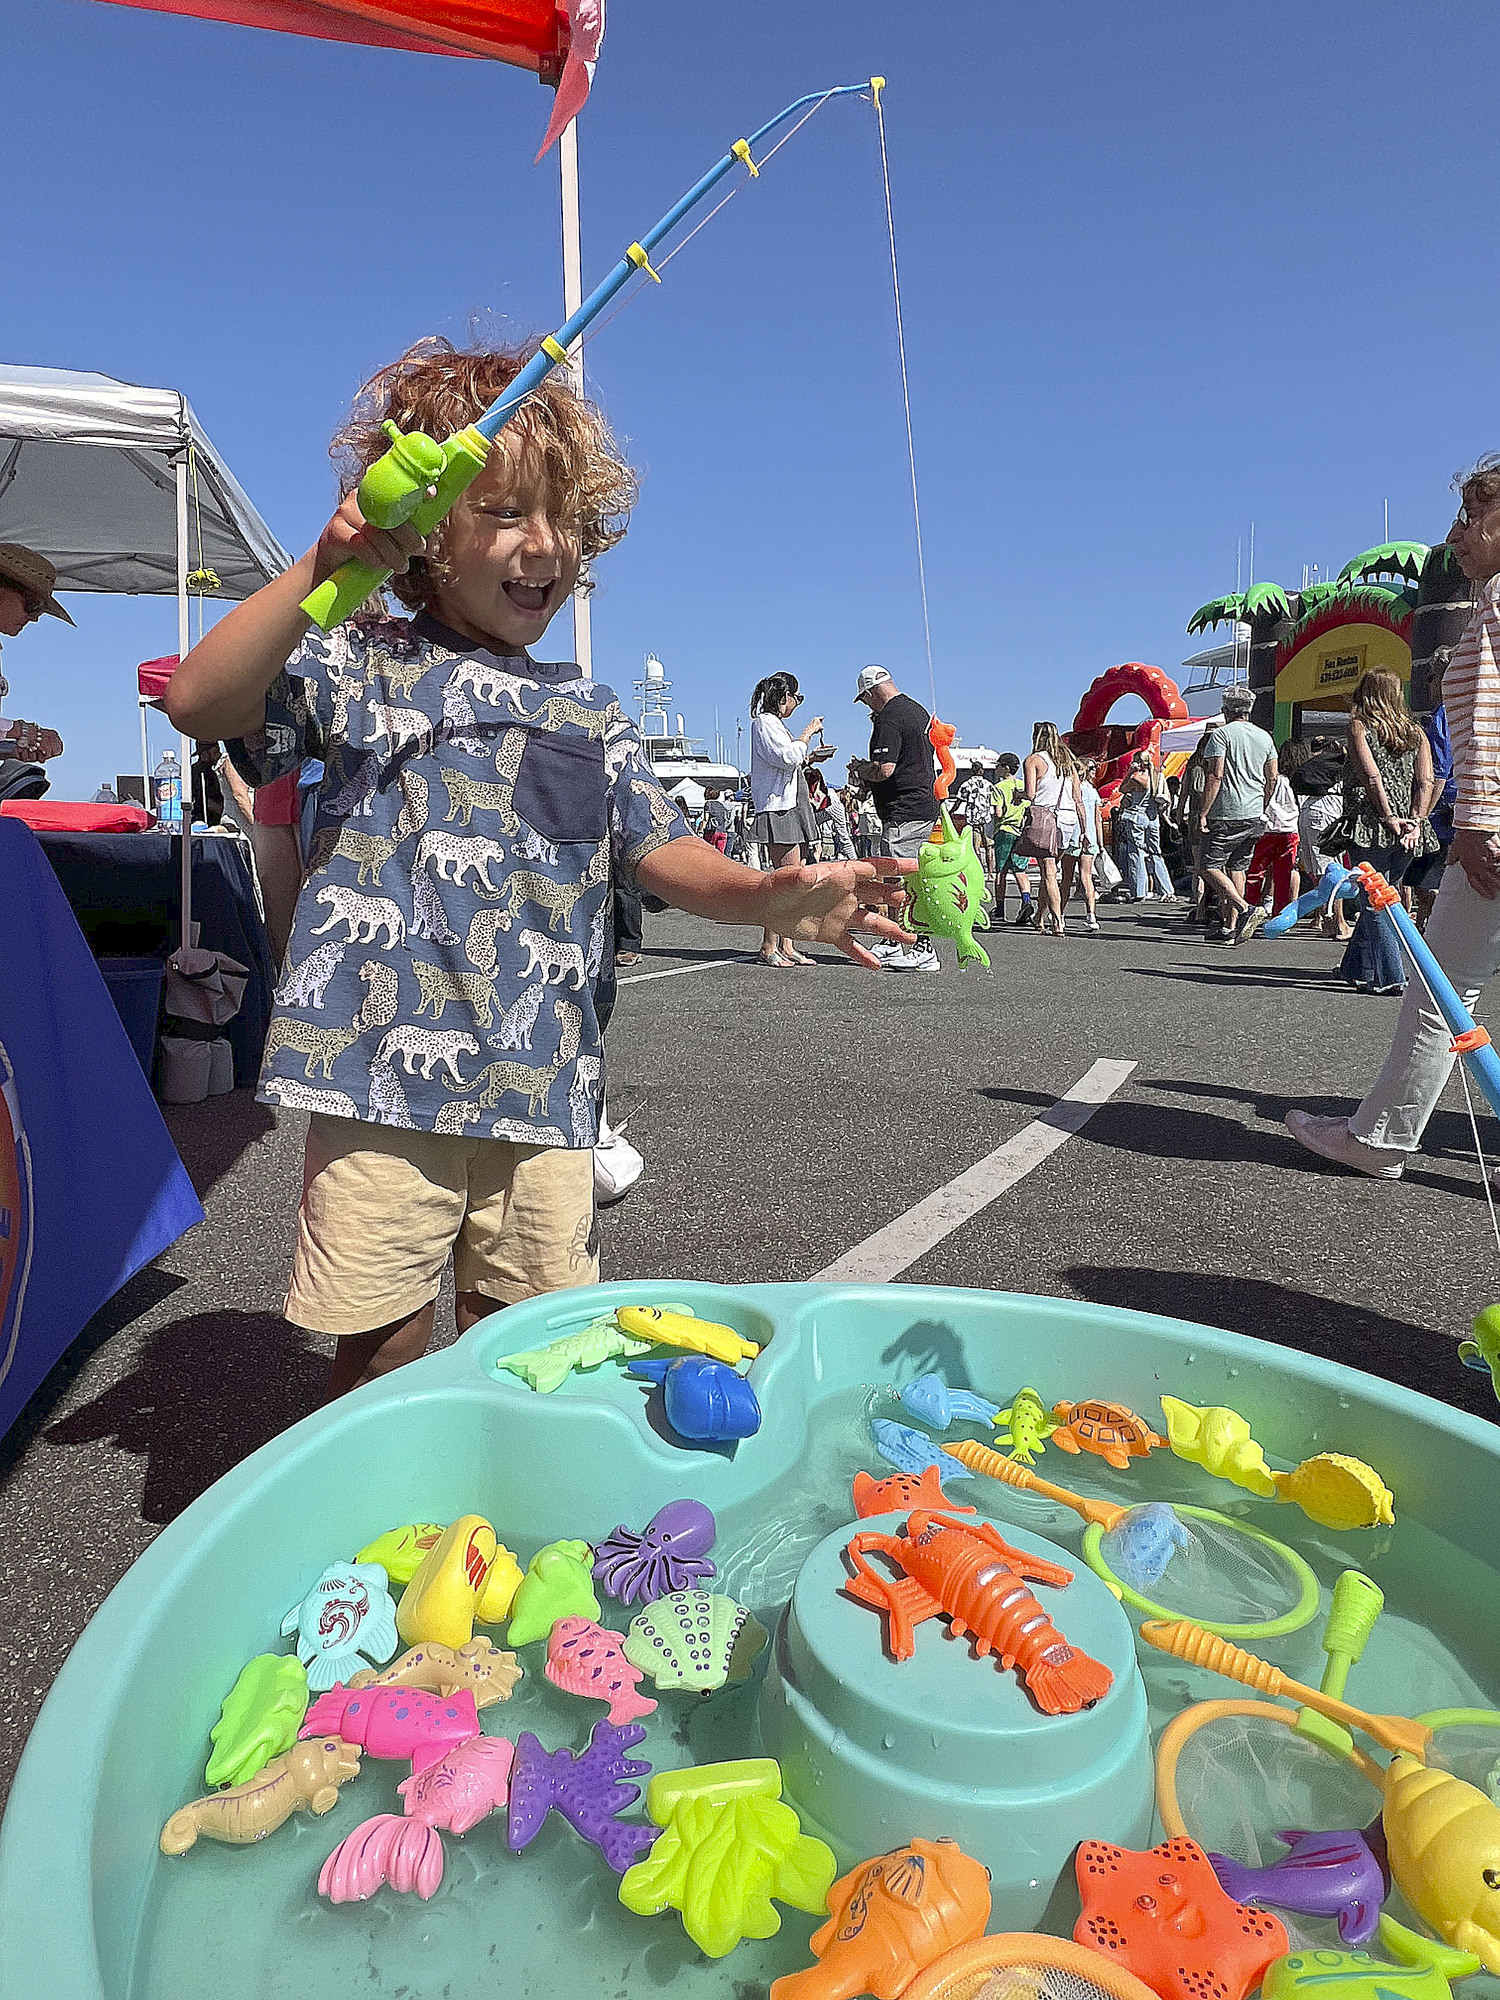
(1115, 743)
(1309, 649)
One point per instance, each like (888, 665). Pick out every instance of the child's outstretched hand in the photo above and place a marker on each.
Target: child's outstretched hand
(829, 902)
(349, 537)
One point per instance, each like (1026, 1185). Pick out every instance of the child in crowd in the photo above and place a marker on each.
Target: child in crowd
(438, 1012)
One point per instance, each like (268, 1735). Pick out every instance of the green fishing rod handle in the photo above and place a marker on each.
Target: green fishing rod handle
(1357, 1603)
(342, 593)
(464, 455)
(432, 476)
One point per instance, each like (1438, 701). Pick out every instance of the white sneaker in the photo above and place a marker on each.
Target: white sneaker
(617, 1165)
(1092, 926)
(1331, 1139)
(917, 960)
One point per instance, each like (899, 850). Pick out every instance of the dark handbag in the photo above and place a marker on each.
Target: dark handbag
(1040, 838)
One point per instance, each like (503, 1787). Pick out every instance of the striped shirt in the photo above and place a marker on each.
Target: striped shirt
(1471, 700)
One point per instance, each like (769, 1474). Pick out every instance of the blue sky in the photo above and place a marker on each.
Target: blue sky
(1167, 269)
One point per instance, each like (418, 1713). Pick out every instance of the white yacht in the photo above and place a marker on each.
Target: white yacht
(674, 755)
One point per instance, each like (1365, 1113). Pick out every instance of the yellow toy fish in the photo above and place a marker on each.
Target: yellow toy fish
(466, 1575)
(1219, 1440)
(1337, 1492)
(1443, 1838)
(698, 1336)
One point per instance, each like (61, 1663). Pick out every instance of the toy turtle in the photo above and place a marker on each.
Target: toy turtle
(1109, 1430)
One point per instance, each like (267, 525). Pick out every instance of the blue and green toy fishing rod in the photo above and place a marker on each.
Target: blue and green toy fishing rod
(418, 479)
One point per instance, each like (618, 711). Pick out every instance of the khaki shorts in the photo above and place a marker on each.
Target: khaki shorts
(382, 1208)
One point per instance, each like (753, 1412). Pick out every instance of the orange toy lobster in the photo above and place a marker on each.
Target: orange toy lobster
(963, 1571)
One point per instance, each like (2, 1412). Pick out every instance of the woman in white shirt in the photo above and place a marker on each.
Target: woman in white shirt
(1051, 778)
(784, 818)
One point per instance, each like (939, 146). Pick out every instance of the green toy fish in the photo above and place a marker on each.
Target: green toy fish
(547, 1368)
(1483, 1351)
(947, 891)
(1422, 1971)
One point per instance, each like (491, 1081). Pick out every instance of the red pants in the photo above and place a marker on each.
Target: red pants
(1275, 855)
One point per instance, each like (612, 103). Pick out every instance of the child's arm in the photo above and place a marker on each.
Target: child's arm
(219, 690)
(824, 904)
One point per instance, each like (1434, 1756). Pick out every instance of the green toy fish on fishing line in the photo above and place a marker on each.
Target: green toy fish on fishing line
(947, 891)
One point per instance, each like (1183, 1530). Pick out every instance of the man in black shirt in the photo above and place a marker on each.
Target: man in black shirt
(900, 771)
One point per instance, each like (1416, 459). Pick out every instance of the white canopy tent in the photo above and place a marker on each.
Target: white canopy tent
(151, 508)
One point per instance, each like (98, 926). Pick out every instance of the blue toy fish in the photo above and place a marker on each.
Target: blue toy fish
(1321, 1875)
(1142, 1545)
(931, 1401)
(913, 1451)
(345, 1619)
(706, 1401)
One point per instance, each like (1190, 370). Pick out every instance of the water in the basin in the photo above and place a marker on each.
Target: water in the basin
(238, 1923)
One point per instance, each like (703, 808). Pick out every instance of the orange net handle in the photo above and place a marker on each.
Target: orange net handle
(1375, 886)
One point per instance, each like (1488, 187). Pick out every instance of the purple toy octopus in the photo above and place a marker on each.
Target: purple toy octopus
(667, 1555)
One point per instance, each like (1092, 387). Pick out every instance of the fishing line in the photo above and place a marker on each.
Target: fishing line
(631, 296)
(911, 449)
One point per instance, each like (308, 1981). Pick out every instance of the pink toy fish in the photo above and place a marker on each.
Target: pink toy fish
(457, 1792)
(397, 1722)
(586, 1658)
(403, 1852)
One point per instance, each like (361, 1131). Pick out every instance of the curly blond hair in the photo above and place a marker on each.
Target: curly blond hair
(438, 388)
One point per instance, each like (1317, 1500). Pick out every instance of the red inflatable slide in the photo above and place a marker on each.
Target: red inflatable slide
(1115, 743)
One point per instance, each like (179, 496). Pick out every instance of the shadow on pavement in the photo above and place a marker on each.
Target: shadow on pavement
(1353, 1336)
(1268, 976)
(212, 1135)
(145, 1291)
(204, 1393)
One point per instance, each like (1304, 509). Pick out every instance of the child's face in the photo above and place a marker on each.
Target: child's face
(512, 566)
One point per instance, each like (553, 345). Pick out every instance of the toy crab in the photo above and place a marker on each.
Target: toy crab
(1108, 1430)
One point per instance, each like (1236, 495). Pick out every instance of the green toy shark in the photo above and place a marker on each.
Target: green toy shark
(1483, 1351)
(947, 891)
(1422, 1972)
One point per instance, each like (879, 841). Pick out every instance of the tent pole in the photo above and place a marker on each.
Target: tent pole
(572, 249)
(186, 748)
(145, 756)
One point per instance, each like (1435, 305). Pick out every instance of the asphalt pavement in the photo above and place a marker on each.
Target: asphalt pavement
(785, 1117)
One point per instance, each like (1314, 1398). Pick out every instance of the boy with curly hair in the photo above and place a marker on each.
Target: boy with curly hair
(438, 1012)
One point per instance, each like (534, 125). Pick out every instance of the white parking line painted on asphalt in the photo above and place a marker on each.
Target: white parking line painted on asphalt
(676, 971)
(897, 1246)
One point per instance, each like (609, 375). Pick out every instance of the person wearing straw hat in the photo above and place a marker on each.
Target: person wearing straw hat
(26, 591)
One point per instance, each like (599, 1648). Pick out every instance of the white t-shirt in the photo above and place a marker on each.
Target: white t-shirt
(1091, 805)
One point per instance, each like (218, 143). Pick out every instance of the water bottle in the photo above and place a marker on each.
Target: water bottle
(166, 788)
(105, 796)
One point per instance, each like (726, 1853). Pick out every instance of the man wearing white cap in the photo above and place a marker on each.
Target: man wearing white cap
(26, 586)
(900, 772)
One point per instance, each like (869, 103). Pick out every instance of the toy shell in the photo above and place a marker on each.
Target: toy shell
(694, 1639)
(1337, 1492)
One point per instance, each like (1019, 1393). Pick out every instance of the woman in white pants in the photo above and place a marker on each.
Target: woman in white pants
(1464, 929)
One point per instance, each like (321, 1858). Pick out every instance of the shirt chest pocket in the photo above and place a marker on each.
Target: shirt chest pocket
(560, 787)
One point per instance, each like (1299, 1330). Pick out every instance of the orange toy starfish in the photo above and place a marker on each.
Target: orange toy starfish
(901, 1491)
(1162, 1915)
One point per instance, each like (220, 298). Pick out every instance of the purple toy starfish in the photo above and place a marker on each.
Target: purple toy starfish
(667, 1554)
(587, 1789)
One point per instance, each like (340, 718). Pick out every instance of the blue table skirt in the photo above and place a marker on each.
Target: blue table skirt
(123, 890)
(91, 1187)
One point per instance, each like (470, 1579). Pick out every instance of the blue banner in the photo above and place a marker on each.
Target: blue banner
(91, 1187)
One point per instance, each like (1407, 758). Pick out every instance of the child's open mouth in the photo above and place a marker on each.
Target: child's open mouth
(529, 596)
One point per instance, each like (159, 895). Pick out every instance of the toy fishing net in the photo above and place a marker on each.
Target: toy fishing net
(1241, 1779)
(1234, 1580)
(1018, 1966)
(1467, 1743)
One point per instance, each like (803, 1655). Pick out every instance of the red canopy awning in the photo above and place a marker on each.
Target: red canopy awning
(532, 34)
